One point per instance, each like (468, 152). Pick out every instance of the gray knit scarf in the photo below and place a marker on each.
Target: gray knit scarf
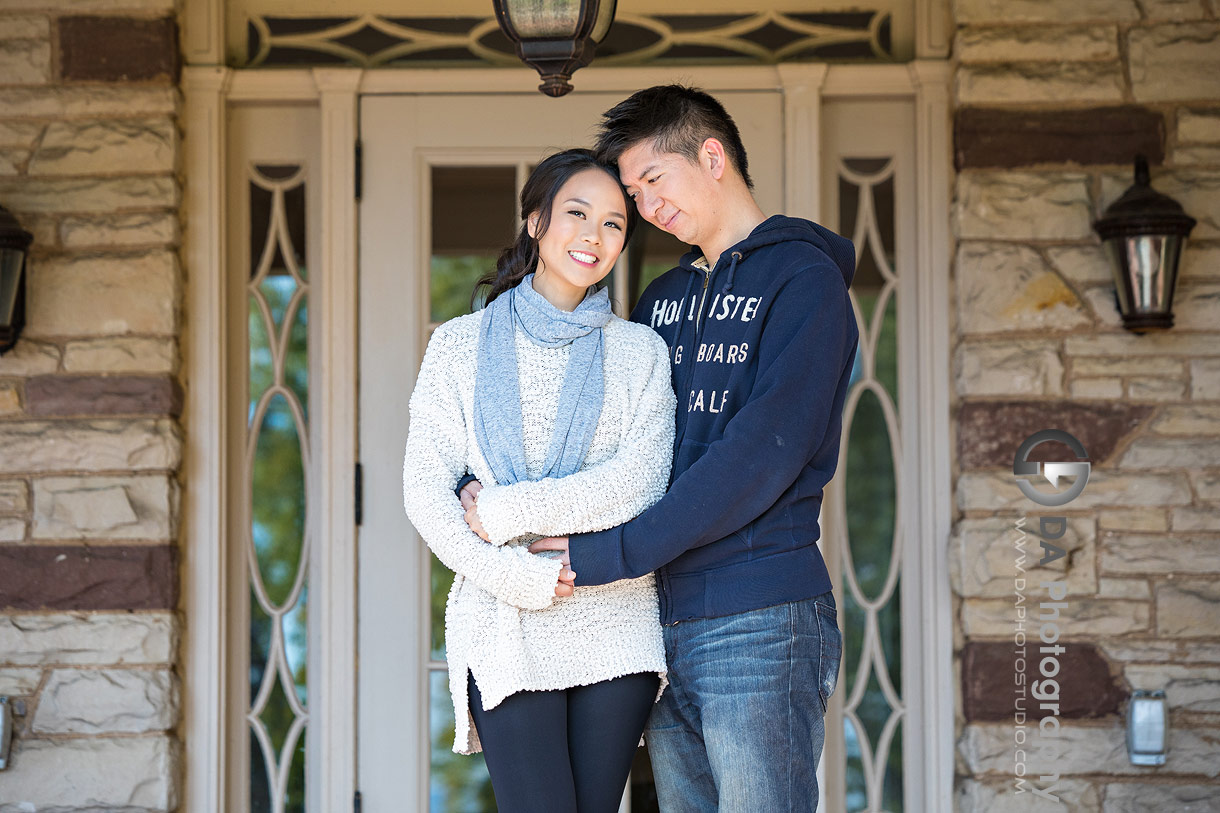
(497, 393)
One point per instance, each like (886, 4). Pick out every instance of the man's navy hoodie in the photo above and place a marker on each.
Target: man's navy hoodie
(761, 352)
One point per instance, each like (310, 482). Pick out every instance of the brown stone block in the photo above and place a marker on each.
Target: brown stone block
(103, 395)
(989, 687)
(989, 432)
(118, 49)
(79, 577)
(990, 137)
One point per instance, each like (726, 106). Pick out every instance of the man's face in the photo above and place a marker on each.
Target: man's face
(672, 193)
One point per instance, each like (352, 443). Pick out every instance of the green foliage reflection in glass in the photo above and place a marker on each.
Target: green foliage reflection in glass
(278, 454)
(869, 477)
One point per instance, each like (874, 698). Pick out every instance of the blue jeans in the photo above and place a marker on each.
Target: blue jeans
(740, 728)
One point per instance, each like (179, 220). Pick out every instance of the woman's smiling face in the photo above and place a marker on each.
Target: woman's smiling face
(584, 238)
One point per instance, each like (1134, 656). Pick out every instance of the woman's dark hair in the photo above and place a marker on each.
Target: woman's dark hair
(538, 195)
(677, 119)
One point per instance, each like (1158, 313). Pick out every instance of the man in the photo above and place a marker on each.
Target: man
(762, 340)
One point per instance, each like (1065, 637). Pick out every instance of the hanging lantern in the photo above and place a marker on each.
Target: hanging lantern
(1143, 233)
(555, 37)
(14, 242)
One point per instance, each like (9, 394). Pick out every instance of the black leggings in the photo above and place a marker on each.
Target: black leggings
(566, 751)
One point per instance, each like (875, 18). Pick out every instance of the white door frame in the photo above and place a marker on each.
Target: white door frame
(208, 93)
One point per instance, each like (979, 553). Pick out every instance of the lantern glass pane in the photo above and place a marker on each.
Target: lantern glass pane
(11, 261)
(539, 19)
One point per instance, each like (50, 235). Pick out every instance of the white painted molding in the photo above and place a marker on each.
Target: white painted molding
(935, 699)
(204, 506)
(802, 84)
(202, 23)
(933, 29)
(333, 765)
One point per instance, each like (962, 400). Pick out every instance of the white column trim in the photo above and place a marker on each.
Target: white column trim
(205, 509)
(802, 84)
(334, 578)
(931, 736)
(933, 29)
(202, 23)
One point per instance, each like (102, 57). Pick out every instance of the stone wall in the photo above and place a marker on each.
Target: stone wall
(1053, 100)
(89, 398)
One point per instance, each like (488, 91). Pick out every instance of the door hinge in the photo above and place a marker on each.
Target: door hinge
(359, 170)
(359, 495)
(356, 803)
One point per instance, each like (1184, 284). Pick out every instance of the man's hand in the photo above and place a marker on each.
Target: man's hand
(469, 499)
(469, 493)
(567, 577)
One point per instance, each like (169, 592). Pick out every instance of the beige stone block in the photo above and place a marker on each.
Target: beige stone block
(1168, 343)
(1193, 419)
(1188, 609)
(30, 358)
(79, 639)
(1041, 82)
(106, 701)
(1108, 388)
(1199, 262)
(1197, 306)
(1156, 389)
(981, 491)
(1161, 651)
(87, 100)
(1137, 589)
(1196, 155)
(10, 399)
(1085, 747)
(80, 6)
(1174, 62)
(19, 682)
(99, 445)
(105, 147)
(1103, 307)
(1136, 365)
(12, 529)
(1139, 554)
(1081, 264)
(1197, 519)
(1187, 688)
(1173, 9)
(20, 133)
(94, 773)
(1205, 379)
(1085, 617)
(121, 355)
(1197, 189)
(1133, 519)
(25, 62)
(1004, 287)
(1002, 796)
(13, 160)
(71, 195)
(993, 552)
(26, 27)
(1141, 797)
(1199, 126)
(105, 508)
(14, 497)
(969, 12)
(1207, 485)
(104, 295)
(140, 229)
(1023, 206)
(1025, 367)
(1028, 43)
(1178, 453)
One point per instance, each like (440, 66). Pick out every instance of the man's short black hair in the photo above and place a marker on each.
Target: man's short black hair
(676, 119)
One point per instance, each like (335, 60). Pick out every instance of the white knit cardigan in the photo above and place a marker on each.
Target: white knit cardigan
(503, 622)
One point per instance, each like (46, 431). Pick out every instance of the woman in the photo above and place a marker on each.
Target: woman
(565, 413)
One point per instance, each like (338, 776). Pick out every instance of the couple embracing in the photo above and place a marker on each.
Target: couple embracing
(628, 562)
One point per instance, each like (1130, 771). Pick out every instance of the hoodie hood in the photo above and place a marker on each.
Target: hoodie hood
(782, 229)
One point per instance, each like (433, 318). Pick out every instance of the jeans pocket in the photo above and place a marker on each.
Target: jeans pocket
(832, 650)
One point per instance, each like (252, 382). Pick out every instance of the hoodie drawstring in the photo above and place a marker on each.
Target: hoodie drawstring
(728, 283)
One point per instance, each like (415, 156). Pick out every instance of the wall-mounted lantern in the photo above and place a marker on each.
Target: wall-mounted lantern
(14, 243)
(1143, 233)
(555, 37)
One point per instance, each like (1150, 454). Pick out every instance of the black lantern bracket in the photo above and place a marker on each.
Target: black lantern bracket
(14, 245)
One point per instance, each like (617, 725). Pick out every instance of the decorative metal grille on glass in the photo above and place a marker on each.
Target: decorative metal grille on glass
(870, 541)
(277, 475)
